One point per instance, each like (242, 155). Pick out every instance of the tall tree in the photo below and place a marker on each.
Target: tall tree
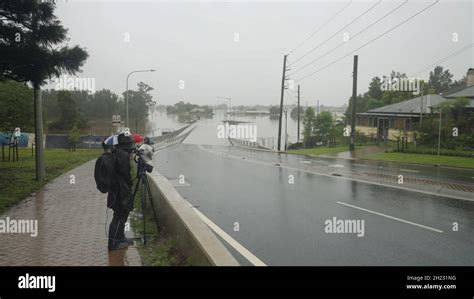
(294, 112)
(308, 126)
(375, 92)
(103, 103)
(139, 101)
(32, 50)
(440, 79)
(15, 107)
(323, 126)
(274, 112)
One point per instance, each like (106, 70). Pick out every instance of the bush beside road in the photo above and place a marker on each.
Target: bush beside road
(425, 159)
(17, 179)
(447, 158)
(320, 150)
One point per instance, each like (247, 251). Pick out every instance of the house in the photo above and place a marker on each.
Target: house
(401, 119)
(468, 91)
(396, 120)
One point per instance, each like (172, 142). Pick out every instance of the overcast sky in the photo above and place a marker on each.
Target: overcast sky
(235, 49)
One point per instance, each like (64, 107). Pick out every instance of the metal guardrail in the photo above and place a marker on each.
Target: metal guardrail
(249, 144)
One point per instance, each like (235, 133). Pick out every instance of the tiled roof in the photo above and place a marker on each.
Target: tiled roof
(412, 106)
(467, 92)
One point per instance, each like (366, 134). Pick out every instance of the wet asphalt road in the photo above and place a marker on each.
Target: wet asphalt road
(284, 224)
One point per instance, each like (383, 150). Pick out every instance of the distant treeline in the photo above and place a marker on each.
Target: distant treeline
(64, 110)
(182, 108)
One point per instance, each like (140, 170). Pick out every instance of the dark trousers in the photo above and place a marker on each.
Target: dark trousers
(117, 226)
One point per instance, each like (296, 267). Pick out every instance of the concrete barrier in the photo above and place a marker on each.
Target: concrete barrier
(195, 240)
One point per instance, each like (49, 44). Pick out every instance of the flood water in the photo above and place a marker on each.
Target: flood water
(206, 131)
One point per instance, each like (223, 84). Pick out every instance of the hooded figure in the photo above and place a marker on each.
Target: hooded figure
(119, 197)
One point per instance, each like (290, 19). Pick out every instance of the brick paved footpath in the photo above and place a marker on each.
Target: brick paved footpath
(71, 226)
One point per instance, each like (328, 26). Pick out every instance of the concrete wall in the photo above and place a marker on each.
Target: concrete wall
(195, 239)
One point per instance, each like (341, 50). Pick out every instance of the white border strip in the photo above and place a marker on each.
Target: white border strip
(231, 241)
(391, 217)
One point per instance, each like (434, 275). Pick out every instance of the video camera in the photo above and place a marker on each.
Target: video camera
(142, 164)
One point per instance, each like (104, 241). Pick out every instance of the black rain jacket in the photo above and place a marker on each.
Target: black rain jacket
(121, 189)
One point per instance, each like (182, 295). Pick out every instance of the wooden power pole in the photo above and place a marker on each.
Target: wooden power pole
(298, 136)
(354, 103)
(281, 101)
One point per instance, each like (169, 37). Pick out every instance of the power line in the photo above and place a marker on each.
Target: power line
(317, 30)
(344, 27)
(358, 33)
(369, 42)
(445, 58)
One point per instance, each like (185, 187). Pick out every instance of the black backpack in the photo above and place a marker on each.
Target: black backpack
(104, 172)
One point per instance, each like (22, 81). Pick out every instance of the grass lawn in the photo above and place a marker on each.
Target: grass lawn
(424, 159)
(17, 179)
(320, 150)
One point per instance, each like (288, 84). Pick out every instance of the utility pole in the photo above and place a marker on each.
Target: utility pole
(298, 138)
(281, 100)
(354, 103)
(286, 128)
(421, 109)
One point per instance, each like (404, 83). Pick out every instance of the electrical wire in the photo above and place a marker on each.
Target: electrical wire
(369, 42)
(445, 58)
(344, 27)
(358, 33)
(321, 27)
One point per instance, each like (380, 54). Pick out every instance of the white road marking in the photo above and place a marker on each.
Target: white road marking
(362, 165)
(391, 217)
(304, 162)
(343, 178)
(231, 241)
(336, 165)
(409, 170)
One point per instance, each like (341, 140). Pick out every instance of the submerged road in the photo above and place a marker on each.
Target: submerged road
(278, 206)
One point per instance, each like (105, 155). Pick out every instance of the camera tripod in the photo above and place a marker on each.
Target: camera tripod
(144, 187)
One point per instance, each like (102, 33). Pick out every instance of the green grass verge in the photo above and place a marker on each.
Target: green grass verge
(17, 179)
(161, 249)
(320, 150)
(423, 159)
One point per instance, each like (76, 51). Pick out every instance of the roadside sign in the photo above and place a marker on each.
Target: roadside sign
(116, 120)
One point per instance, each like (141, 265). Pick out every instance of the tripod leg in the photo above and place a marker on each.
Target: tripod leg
(152, 204)
(142, 196)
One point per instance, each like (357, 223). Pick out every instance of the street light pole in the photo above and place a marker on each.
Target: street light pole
(126, 90)
(286, 128)
(298, 137)
(228, 107)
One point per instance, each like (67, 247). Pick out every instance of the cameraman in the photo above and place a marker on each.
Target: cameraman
(120, 195)
(146, 150)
